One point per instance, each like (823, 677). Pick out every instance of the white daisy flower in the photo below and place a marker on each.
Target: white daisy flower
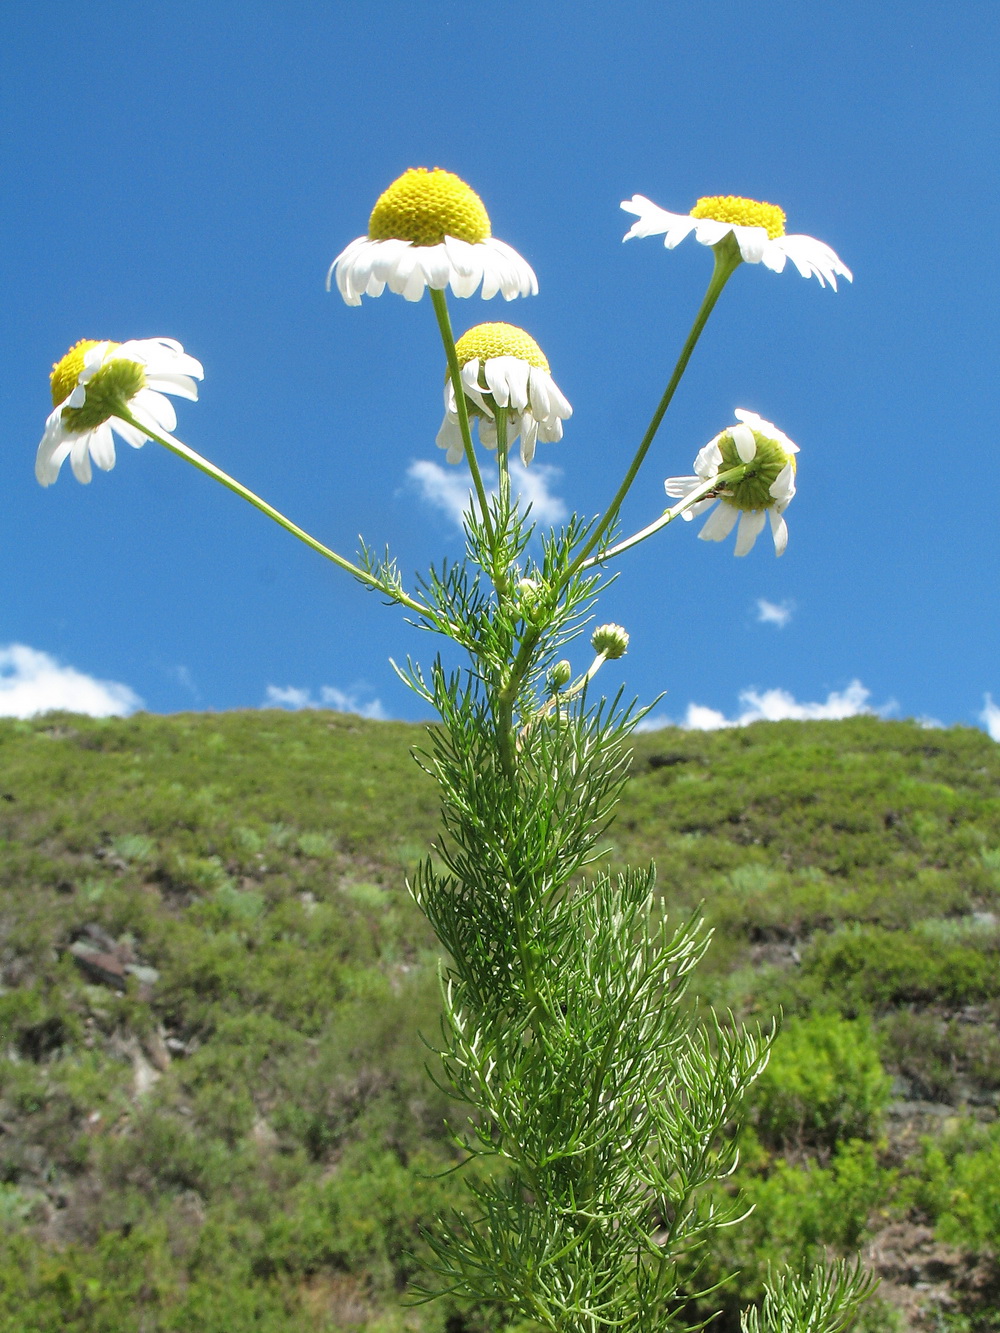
(430, 229)
(93, 383)
(764, 492)
(503, 370)
(758, 229)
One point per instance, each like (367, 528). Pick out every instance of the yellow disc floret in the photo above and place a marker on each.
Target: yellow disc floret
(742, 212)
(424, 207)
(489, 340)
(66, 371)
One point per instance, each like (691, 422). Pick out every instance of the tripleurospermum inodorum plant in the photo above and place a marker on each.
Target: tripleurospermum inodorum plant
(599, 1104)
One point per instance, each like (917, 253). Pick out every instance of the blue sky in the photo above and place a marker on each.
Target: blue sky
(191, 170)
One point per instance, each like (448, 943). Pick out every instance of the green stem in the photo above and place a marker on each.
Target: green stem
(727, 258)
(210, 470)
(440, 304)
(724, 478)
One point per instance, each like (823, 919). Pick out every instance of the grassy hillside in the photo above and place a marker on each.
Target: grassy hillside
(214, 1110)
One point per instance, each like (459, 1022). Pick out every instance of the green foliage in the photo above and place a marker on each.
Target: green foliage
(955, 1182)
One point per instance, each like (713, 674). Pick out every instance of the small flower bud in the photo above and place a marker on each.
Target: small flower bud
(559, 674)
(611, 641)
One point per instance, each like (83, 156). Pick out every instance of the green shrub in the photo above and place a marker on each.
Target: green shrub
(824, 1083)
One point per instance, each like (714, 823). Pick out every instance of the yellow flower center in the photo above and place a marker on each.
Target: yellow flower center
(66, 371)
(426, 206)
(742, 212)
(488, 340)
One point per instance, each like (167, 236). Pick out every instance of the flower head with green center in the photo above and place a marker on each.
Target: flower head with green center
(94, 384)
(757, 228)
(430, 229)
(764, 491)
(503, 370)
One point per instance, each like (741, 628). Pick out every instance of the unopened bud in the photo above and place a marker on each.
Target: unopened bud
(611, 641)
(559, 674)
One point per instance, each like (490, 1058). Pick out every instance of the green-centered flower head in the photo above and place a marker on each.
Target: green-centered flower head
(763, 460)
(740, 212)
(503, 373)
(767, 461)
(610, 640)
(423, 207)
(100, 387)
(104, 387)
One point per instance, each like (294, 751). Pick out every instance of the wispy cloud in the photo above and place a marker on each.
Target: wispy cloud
(447, 489)
(775, 706)
(33, 682)
(990, 717)
(774, 613)
(341, 701)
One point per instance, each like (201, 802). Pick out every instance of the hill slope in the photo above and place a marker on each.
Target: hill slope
(213, 1102)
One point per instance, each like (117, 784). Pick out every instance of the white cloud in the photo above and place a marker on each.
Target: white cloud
(775, 706)
(447, 489)
(341, 701)
(774, 613)
(990, 717)
(33, 682)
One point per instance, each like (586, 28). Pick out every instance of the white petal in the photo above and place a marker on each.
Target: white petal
(719, 523)
(436, 266)
(78, 397)
(815, 259)
(751, 523)
(450, 437)
(470, 382)
(746, 445)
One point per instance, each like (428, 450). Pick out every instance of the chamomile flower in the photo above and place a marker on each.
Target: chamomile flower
(763, 493)
(758, 229)
(430, 229)
(94, 383)
(503, 370)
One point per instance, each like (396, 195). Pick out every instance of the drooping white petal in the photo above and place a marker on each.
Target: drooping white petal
(815, 258)
(79, 458)
(719, 523)
(517, 372)
(78, 397)
(779, 530)
(751, 523)
(102, 446)
(529, 433)
(470, 382)
(708, 460)
(495, 370)
(182, 386)
(450, 437)
(161, 409)
(766, 428)
(783, 487)
(678, 487)
(751, 241)
(129, 433)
